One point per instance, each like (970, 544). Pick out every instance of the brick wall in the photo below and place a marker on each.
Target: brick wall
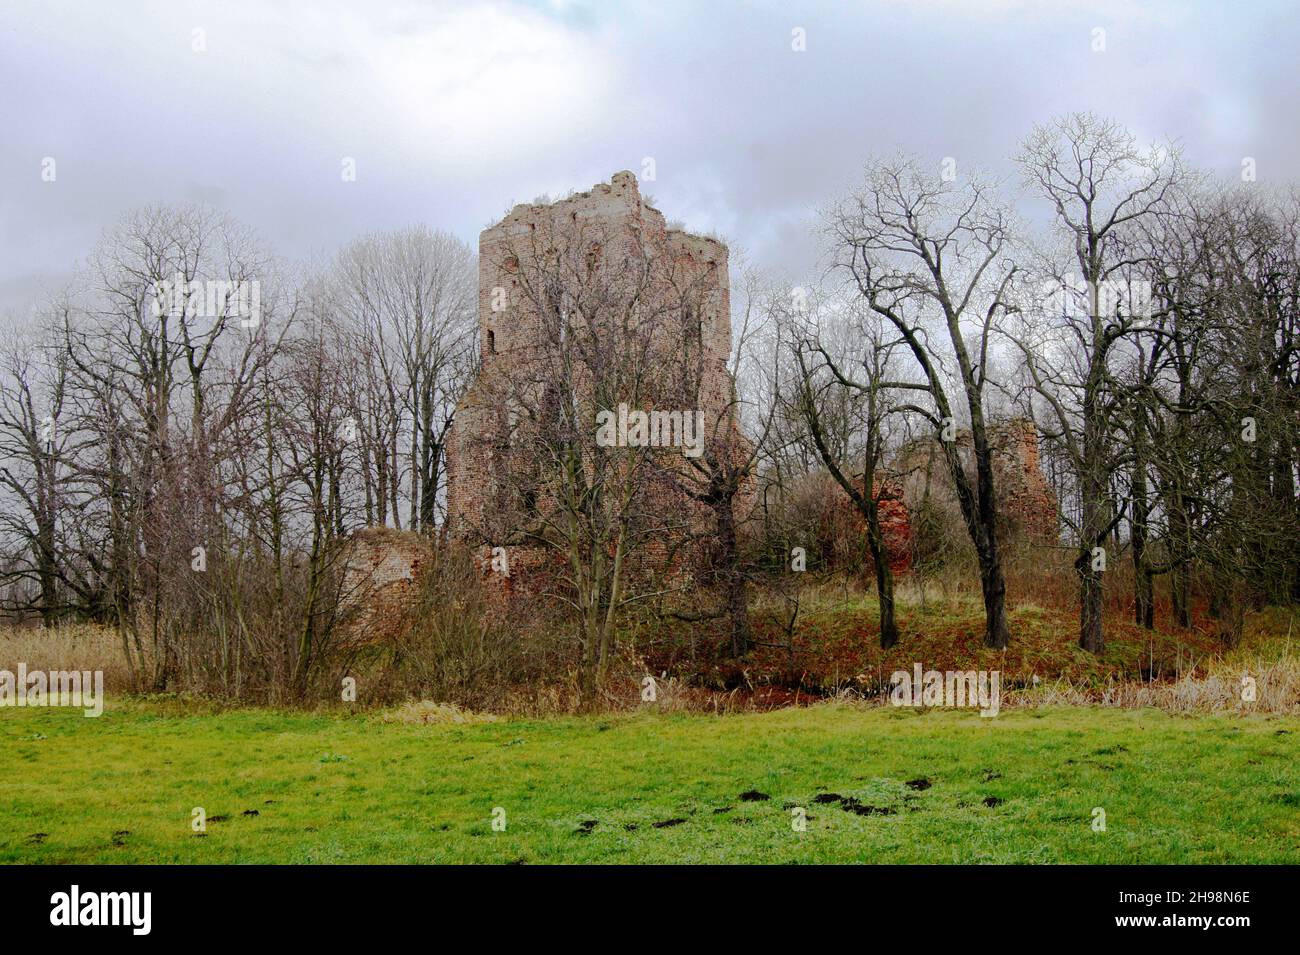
(1026, 505)
(381, 574)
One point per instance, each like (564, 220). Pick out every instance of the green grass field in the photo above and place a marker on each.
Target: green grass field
(310, 788)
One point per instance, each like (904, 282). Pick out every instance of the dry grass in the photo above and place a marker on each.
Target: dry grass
(78, 646)
(625, 692)
(1266, 665)
(430, 712)
(1277, 691)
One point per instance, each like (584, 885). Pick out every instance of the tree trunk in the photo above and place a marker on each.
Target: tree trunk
(1090, 594)
(980, 515)
(1144, 610)
(884, 583)
(1143, 584)
(429, 485)
(994, 586)
(992, 580)
(1094, 485)
(1091, 637)
(1181, 585)
(735, 593)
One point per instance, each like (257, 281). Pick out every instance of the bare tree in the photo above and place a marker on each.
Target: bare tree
(1098, 181)
(865, 375)
(721, 478)
(920, 249)
(410, 298)
(160, 359)
(33, 383)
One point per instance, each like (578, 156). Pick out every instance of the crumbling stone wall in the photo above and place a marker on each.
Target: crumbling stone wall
(891, 511)
(1025, 498)
(1027, 508)
(382, 571)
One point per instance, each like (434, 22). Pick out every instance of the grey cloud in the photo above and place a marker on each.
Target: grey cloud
(453, 111)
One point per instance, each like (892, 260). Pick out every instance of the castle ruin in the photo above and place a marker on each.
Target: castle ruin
(657, 300)
(651, 304)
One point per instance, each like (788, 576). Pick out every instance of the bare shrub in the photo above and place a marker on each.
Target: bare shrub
(813, 513)
(248, 628)
(461, 642)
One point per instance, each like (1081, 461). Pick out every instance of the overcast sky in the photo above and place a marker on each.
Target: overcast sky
(454, 111)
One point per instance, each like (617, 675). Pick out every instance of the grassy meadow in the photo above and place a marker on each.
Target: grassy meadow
(1155, 734)
(874, 784)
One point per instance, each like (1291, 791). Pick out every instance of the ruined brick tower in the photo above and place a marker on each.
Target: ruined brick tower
(617, 230)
